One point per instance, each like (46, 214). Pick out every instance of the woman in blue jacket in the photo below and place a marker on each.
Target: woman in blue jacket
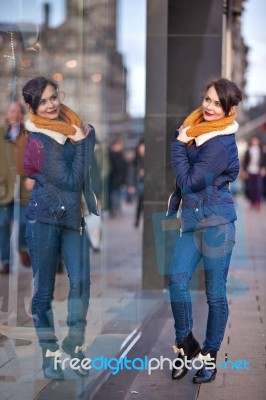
(204, 161)
(58, 157)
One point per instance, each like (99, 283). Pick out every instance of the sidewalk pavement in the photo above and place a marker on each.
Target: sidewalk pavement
(123, 319)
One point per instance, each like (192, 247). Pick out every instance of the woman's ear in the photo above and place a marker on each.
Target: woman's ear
(232, 110)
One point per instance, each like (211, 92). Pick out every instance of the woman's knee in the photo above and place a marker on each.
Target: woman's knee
(178, 283)
(216, 299)
(79, 285)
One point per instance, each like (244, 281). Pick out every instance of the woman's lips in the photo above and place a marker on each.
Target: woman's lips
(52, 112)
(208, 114)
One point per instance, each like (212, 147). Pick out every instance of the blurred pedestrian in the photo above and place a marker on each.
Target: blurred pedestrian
(205, 161)
(252, 172)
(140, 173)
(58, 157)
(130, 156)
(117, 176)
(12, 151)
(264, 171)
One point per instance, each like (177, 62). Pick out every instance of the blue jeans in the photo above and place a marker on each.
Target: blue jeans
(214, 245)
(46, 244)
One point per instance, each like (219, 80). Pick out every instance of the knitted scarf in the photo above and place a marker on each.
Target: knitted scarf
(67, 118)
(199, 126)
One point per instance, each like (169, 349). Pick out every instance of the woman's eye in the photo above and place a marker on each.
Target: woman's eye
(54, 97)
(42, 102)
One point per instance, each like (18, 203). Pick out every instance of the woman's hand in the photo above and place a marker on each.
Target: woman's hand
(79, 134)
(182, 136)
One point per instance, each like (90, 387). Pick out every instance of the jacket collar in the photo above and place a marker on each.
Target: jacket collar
(199, 140)
(58, 137)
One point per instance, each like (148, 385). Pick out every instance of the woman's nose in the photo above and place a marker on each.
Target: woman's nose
(209, 106)
(50, 102)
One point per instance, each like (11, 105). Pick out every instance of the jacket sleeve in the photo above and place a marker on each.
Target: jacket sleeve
(34, 158)
(210, 163)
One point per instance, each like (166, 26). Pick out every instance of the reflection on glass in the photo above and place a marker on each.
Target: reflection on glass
(76, 44)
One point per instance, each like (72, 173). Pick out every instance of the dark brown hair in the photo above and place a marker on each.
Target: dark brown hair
(33, 90)
(228, 92)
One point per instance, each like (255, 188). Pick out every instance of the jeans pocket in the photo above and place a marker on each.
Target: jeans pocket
(230, 235)
(230, 232)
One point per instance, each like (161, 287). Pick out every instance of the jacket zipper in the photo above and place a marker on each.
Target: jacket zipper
(179, 215)
(81, 221)
(181, 228)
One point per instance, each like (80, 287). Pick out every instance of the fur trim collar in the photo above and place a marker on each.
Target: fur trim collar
(58, 137)
(207, 136)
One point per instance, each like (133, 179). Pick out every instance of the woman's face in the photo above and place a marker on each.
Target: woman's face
(49, 105)
(211, 106)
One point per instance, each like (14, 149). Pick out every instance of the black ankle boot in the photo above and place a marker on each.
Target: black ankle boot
(189, 348)
(73, 347)
(206, 375)
(51, 371)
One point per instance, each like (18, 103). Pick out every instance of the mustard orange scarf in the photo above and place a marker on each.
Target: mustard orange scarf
(67, 118)
(199, 126)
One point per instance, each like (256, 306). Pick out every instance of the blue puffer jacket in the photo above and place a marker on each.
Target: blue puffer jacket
(202, 176)
(61, 173)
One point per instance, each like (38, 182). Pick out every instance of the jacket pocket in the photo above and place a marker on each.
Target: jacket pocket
(57, 207)
(51, 204)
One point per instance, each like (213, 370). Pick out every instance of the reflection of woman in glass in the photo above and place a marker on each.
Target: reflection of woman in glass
(58, 157)
(205, 161)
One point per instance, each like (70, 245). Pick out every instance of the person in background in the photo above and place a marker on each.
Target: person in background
(117, 176)
(140, 173)
(252, 173)
(264, 171)
(12, 151)
(129, 156)
(58, 157)
(205, 161)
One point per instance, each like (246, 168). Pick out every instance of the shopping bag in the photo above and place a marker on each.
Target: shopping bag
(94, 230)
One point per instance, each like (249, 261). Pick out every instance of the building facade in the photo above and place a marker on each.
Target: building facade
(81, 55)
